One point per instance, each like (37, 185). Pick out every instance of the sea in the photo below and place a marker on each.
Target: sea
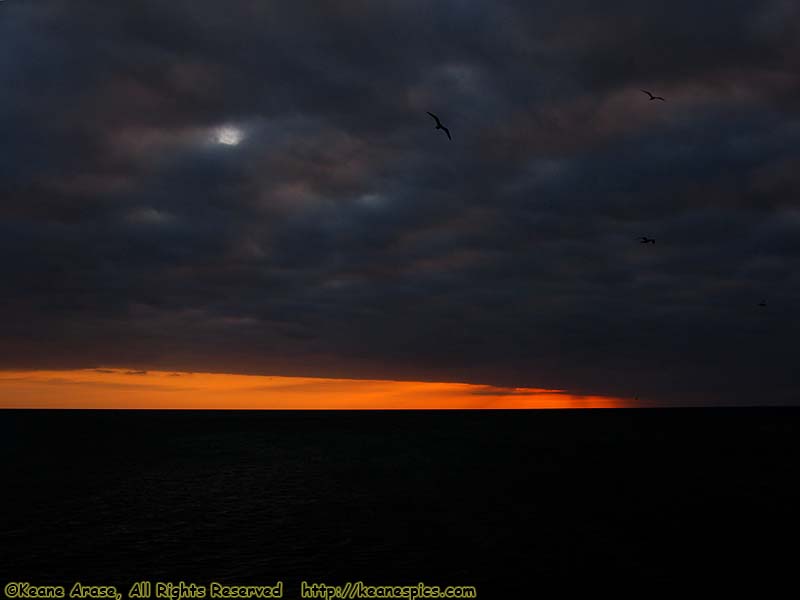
(506, 502)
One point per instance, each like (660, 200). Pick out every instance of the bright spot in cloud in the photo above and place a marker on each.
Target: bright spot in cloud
(229, 136)
(148, 216)
(372, 200)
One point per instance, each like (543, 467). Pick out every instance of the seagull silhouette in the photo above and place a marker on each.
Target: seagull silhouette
(440, 126)
(653, 97)
(646, 240)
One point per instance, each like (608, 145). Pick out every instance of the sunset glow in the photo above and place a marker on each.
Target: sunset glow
(121, 389)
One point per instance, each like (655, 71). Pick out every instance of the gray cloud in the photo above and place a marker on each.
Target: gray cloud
(345, 237)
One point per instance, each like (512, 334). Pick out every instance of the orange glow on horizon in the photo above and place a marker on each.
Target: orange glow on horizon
(121, 389)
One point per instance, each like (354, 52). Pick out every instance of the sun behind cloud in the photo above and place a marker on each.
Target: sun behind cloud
(229, 136)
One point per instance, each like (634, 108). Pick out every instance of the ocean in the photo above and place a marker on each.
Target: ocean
(503, 501)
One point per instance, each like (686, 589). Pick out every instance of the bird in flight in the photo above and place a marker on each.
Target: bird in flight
(654, 97)
(440, 126)
(646, 240)
(762, 303)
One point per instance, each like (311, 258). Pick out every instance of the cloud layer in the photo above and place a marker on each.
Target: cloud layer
(342, 236)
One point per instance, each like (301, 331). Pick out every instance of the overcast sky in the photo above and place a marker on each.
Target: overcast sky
(255, 187)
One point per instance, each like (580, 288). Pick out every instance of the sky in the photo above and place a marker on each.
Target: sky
(120, 389)
(254, 188)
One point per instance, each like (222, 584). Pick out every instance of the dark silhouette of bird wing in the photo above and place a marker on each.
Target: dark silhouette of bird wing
(447, 131)
(438, 122)
(652, 97)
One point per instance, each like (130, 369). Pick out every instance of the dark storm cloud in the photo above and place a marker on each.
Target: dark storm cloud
(344, 236)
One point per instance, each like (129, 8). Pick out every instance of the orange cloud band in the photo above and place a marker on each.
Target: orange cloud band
(122, 389)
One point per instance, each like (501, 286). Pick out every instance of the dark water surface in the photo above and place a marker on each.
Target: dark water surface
(499, 500)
